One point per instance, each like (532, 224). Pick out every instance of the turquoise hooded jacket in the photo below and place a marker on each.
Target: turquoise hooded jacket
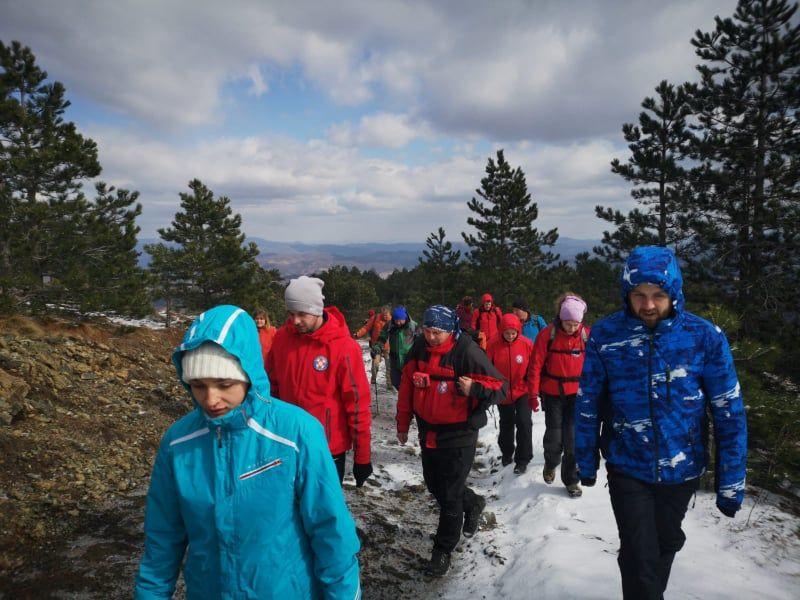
(250, 499)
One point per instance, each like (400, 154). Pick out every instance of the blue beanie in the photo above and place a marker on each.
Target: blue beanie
(440, 317)
(400, 313)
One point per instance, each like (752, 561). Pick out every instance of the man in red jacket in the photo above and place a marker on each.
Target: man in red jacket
(486, 320)
(447, 385)
(315, 364)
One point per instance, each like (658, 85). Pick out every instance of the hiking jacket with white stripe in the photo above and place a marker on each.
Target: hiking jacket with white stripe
(252, 498)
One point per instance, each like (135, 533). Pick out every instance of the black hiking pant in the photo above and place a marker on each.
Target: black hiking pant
(516, 415)
(559, 436)
(445, 471)
(339, 460)
(649, 520)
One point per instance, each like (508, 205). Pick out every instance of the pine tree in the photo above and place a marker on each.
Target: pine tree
(210, 263)
(349, 291)
(507, 248)
(439, 264)
(658, 145)
(748, 208)
(55, 245)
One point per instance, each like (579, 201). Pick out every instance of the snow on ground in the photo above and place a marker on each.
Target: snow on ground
(547, 545)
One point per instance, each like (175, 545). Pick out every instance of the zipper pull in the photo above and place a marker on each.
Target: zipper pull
(219, 437)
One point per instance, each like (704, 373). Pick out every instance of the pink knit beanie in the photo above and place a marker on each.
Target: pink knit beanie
(572, 309)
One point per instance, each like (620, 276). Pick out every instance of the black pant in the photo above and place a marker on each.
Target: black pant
(445, 471)
(559, 436)
(516, 415)
(649, 520)
(339, 460)
(396, 375)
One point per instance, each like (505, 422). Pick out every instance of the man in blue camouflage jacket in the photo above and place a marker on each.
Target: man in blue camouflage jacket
(651, 371)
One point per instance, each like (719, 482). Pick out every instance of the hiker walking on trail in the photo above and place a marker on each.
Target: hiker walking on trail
(486, 320)
(373, 328)
(315, 364)
(464, 314)
(243, 496)
(532, 323)
(555, 370)
(510, 352)
(266, 332)
(448, 384)
(399, 334)
(652, 372)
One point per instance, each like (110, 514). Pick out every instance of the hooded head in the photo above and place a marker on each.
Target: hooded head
(235, 352)
(370, 313)
(487, 298)
(656, 265)
(510, 321)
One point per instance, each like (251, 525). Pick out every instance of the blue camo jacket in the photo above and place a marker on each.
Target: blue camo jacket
(250, 499)
(651, 387)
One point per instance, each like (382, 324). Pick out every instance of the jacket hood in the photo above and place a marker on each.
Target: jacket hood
(656, 265)
(487, 298)
(233, 329)
(510, 321)
(335, 327)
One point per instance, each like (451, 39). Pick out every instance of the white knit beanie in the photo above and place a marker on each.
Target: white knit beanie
(304, 294)
(211, 361)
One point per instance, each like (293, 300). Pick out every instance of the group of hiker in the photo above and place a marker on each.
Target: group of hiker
(246, 489)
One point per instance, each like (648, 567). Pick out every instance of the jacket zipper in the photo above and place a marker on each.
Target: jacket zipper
(656, 468)
(328, 424)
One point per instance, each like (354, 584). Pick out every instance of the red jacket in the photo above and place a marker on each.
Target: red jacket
(487, 322)
(373, 326)
(440, 410)
(323, 372)
(556, 371)
(266, 335)
(511, 359)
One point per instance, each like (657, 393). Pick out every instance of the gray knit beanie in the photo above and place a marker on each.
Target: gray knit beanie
(304, 294)
(211, 361)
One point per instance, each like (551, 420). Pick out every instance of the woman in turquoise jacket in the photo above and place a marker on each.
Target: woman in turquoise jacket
(244, 486)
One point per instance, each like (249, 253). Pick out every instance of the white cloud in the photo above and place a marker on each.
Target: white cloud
(320, 191)
(384, 130)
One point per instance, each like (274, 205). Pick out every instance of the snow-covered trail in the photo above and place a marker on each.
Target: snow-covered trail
(545, 544)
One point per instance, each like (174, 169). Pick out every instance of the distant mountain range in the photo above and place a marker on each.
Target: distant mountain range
(297, 258)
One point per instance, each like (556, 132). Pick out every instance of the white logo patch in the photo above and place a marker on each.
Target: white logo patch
(320, 363)
(519, 359)
(442, 387)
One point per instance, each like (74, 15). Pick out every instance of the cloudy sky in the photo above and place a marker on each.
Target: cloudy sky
(360, 121)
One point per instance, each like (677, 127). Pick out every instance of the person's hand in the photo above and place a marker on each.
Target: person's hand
(533, 402)
(727, 510)
(402, 437)
(361, 472)
(588, 481)
(464, 385)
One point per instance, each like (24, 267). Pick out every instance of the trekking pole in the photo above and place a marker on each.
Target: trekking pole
(377, 399)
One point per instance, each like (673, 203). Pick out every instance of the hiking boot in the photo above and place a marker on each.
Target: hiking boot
(520, 468)
(506, 460)
(438, 564)
(473, 517)
(549, 475)
(574, 490)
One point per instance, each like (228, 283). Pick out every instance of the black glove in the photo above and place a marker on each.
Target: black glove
(588, 482)
(477, 419)
(727, 510)
(361, 472)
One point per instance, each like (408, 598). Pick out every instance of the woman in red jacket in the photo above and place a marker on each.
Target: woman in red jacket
(554, 372)
(510, 353)
(266, 332)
